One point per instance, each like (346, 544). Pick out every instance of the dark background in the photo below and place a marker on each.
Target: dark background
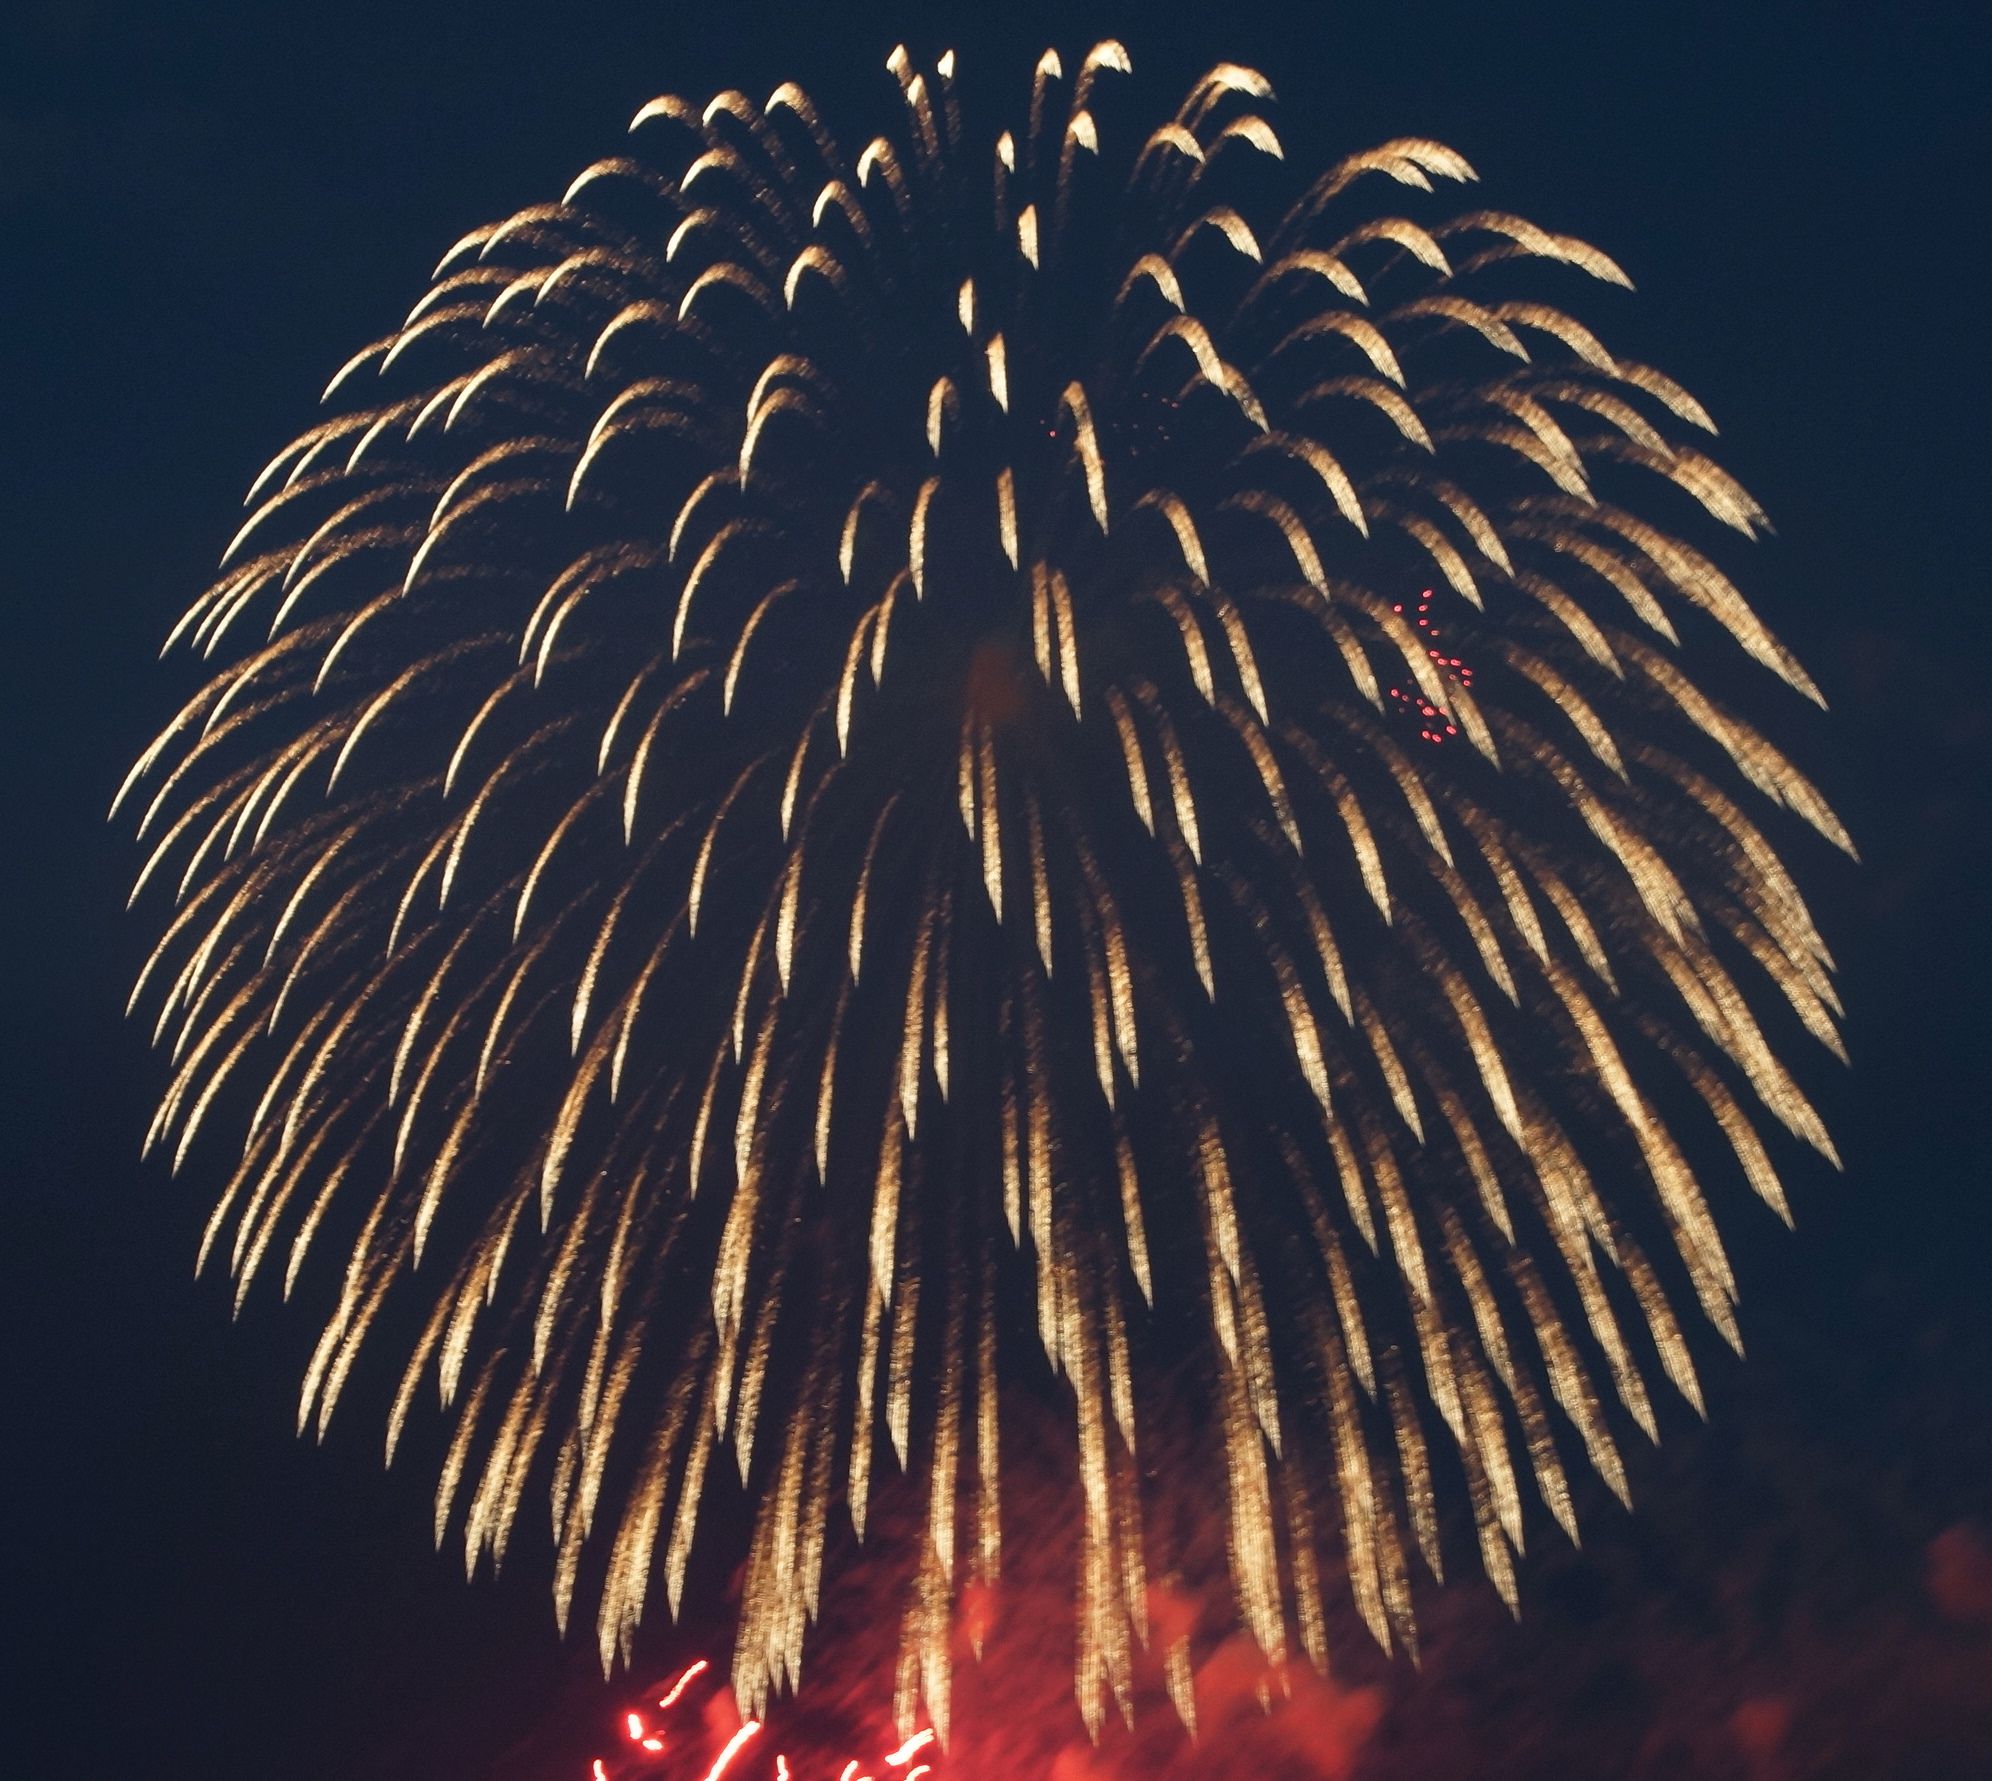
(204, 210)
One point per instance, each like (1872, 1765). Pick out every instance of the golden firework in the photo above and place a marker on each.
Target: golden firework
(828, 759)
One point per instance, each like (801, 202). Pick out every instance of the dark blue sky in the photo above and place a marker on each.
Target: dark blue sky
(203, 210)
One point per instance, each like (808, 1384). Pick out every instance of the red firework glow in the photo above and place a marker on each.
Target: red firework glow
(1205, 1703)
(695, 1733)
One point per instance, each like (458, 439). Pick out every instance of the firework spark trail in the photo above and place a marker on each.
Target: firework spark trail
(828, 759)
(656, 1743)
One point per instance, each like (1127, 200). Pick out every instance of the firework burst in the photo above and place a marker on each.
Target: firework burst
(836, 777)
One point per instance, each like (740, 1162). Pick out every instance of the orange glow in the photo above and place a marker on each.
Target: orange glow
(910, 1749)
(997, 689)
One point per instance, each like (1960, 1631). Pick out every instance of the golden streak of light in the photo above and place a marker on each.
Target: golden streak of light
(988, 1449)
(1181, 798)
(899, 1371)
(1096, 984)
(988, 810)
(913, 1045)
(1137, 770)
(1413, 1458)
(1013, 1167)
(1400, 1220)
(860, 893)
(1068, 641)
(1760, 763)
(946, 1461)
(1132, 1218)
(885, 1206)
(1349, 1177)
(1244, 661)
(1041, 918)
(1270, 777)
(1193, 916)
(1086, 441)
(1182, 527)
(1027, 234)
(858, 1492)
(938, 1021)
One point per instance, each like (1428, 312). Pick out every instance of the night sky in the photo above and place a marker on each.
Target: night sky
(203, 210)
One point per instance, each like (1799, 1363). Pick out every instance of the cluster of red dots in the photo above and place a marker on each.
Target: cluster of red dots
(1434, 724)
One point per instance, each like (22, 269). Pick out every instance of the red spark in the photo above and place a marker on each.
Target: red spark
(654, 1741)
(734, 1745)
(684, 1682)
